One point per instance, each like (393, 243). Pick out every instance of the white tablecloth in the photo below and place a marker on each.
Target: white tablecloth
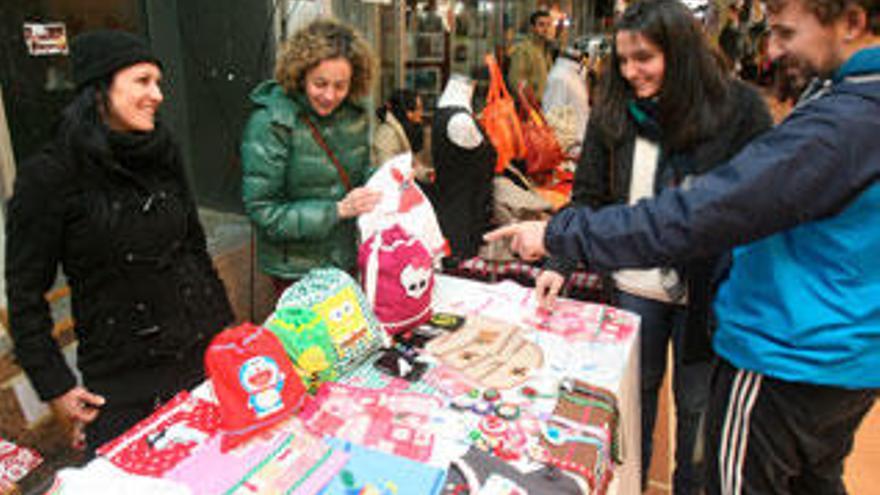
(613, 365)
(605, 362)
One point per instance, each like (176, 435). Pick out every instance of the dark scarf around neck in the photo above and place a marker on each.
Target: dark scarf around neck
(134, 150)
(97, 149)
(673, 166)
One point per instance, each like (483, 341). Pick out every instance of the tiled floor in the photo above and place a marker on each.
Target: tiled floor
(862, 471)
(659, 482)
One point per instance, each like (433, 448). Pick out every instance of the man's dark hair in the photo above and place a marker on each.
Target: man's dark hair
(827, 11)
(695, 88)
(538, 14)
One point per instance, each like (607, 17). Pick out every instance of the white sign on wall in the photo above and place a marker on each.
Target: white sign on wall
(45, 38)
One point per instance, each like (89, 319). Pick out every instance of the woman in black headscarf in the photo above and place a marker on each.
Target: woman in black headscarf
(400, 131)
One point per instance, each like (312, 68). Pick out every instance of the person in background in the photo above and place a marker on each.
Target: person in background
(400, 130)
(530, 59)
(559, 33)
(798, 313)
(598, 51)
(566, 101)
(732, 39)
(464, 161)
(107, 201)
(667, 113)
(305, 153)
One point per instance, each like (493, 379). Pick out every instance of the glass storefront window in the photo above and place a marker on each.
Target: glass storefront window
(422, 42)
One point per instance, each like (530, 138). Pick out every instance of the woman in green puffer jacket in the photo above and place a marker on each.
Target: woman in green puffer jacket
(305, 153)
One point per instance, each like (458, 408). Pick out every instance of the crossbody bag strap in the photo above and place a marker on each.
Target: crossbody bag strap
(323, 144)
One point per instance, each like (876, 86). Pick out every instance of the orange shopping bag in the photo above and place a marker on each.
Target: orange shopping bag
(500, 120)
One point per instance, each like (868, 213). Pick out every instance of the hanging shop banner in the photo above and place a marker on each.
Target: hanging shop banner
(45, 38)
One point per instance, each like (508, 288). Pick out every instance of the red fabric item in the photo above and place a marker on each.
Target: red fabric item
(500, 120)
(254, 381)
(162, 440)
(410, 196)
(543, 153)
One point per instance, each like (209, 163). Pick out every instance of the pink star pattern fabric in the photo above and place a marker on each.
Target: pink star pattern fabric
(15, 463)
(390, 421)
(577, 321)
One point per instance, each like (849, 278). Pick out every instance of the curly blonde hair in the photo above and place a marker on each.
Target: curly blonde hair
(320, 40)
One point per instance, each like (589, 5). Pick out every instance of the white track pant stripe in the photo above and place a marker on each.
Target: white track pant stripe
(744, 435)
(734, 436)
(725, 432)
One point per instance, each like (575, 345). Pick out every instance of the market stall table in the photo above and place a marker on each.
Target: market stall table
(578, 342)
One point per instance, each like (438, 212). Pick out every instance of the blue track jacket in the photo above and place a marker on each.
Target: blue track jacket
(802, 299)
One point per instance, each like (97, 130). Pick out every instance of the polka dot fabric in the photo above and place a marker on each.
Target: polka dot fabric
(164, 439)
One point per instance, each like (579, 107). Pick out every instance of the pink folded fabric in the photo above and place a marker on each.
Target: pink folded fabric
(302, 466)
(210, 471)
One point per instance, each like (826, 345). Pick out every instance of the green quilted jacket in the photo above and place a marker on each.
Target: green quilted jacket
(290, 185)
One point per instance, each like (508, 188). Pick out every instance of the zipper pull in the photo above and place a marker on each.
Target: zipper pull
(148, 204)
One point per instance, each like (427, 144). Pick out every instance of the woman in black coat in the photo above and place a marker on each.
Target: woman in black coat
(107, 200)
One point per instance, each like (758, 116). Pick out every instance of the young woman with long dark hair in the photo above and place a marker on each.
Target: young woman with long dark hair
(667, 112)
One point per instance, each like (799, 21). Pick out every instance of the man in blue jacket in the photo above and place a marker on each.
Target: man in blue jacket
(798, 316)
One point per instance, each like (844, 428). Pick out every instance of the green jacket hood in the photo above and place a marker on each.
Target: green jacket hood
(271, 96)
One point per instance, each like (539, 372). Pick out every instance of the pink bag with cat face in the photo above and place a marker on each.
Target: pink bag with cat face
(398, 278)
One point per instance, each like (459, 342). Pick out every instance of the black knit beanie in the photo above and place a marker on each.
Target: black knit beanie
(97, 55)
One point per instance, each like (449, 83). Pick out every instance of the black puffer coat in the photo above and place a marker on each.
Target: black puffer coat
(119, 219)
